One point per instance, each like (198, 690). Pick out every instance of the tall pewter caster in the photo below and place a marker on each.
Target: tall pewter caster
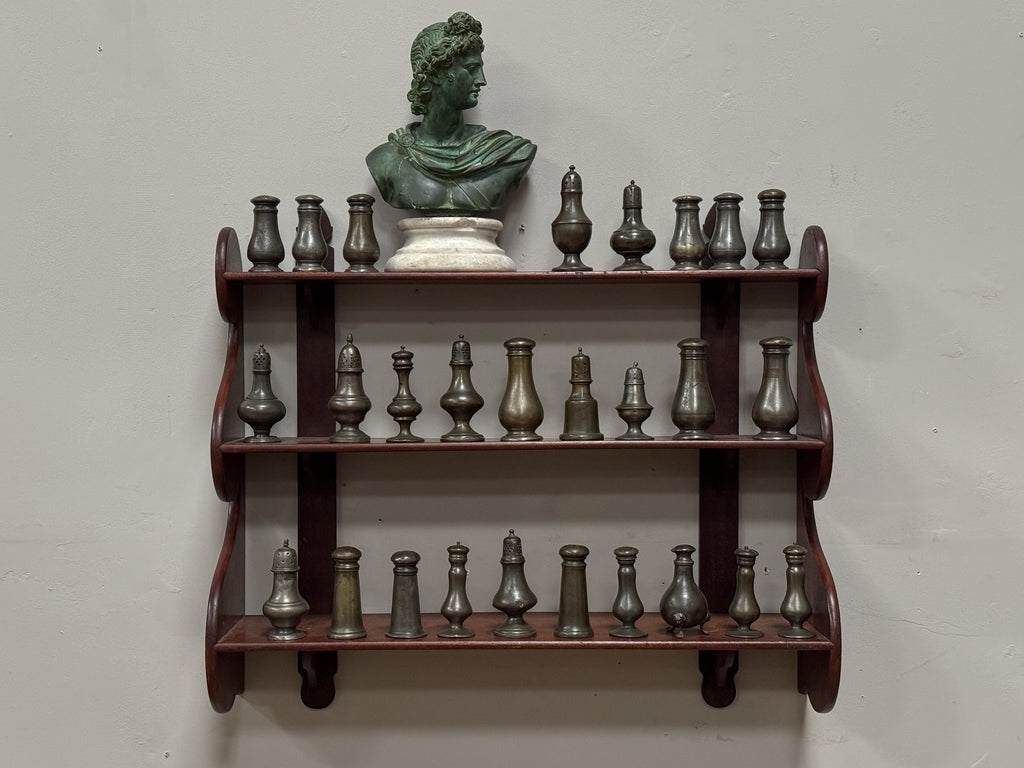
(406, 622)
(349, 403)
(581, 422)
(744, 609)
(796, 608)
(461, 400)
(521, 411)
(261, 409)
(514, 596)
(627, 607)
(456, 608)
(403, 408)
(573, 611)
(347, 617)
(285, 607)
(775, 409)
(571, 229)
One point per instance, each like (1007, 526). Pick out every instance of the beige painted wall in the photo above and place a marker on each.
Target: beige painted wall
(132, 131)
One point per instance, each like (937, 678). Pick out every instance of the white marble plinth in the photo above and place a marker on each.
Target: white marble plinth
(450, 244)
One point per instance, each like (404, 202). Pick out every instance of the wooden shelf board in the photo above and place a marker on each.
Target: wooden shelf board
(654, 276)
(378, 444)
(249, 633)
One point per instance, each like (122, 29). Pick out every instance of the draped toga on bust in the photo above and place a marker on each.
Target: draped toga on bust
(472, 176)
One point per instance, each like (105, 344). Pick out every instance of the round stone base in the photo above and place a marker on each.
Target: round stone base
(450, 244)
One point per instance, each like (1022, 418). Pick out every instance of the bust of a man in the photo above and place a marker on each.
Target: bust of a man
(441, 165)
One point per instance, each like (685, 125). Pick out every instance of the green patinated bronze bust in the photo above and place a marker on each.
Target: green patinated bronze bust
(441, 165)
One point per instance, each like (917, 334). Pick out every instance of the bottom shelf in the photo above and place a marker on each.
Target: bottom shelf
(249, 633)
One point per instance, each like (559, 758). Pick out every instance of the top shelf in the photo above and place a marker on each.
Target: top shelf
(653, 276)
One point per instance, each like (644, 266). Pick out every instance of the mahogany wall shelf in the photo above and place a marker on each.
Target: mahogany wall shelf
(230, 633)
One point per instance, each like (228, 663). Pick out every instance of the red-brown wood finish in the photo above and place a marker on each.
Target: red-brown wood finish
(818, 672)
(225, 672)
(230, 635)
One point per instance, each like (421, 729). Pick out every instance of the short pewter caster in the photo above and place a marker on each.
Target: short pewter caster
(726, 247)
(581, 421)
(261, 409)
(627, 607)
(634, 408)
(406, 623)
(771, 246)
(688, 244)
(514, 596)
(310, 248)
(461, 400)
(349, 403)
(266, 250)
(775, 409)
(456, 608)
(796, 608)
(403, 408)
(744, 609)
(361, 250)
(285, 606)
(573, 611)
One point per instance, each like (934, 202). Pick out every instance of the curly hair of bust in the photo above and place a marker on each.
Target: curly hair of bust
(435, 49)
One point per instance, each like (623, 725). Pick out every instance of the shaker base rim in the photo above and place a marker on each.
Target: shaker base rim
(456, 633)
(796, 634)
(774, 436)
(627, 632)
(262, 439)
(749, 634)
(285, 634)
(569, 437)
(354, 635)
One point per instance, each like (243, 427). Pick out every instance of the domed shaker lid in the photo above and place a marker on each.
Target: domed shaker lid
(461, 353)
(512, 549)
(634, 374)
(572, 182)
(261, 360)
(286, 559)
(631, 196)
(350, 361)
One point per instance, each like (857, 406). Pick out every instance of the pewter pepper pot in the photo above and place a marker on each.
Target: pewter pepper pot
(573, 611)
(632, 240)
(520, 411)
(571, 229)
(581, 408)
(771, 247)
(514, 596)
(347, 618)
(627, 607)
(726, 247)
(405, 597)
(461, 400)
(744, 609)
(349, 403)
(693, 407)
(361, 250)
(261, 409)
(456, 608)
(265, 249)
(796, 608)
(688, 244)
(775, 409)
(285, 606)
(403, 408)
(634, 408)
(683, 606)
(310, 248)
